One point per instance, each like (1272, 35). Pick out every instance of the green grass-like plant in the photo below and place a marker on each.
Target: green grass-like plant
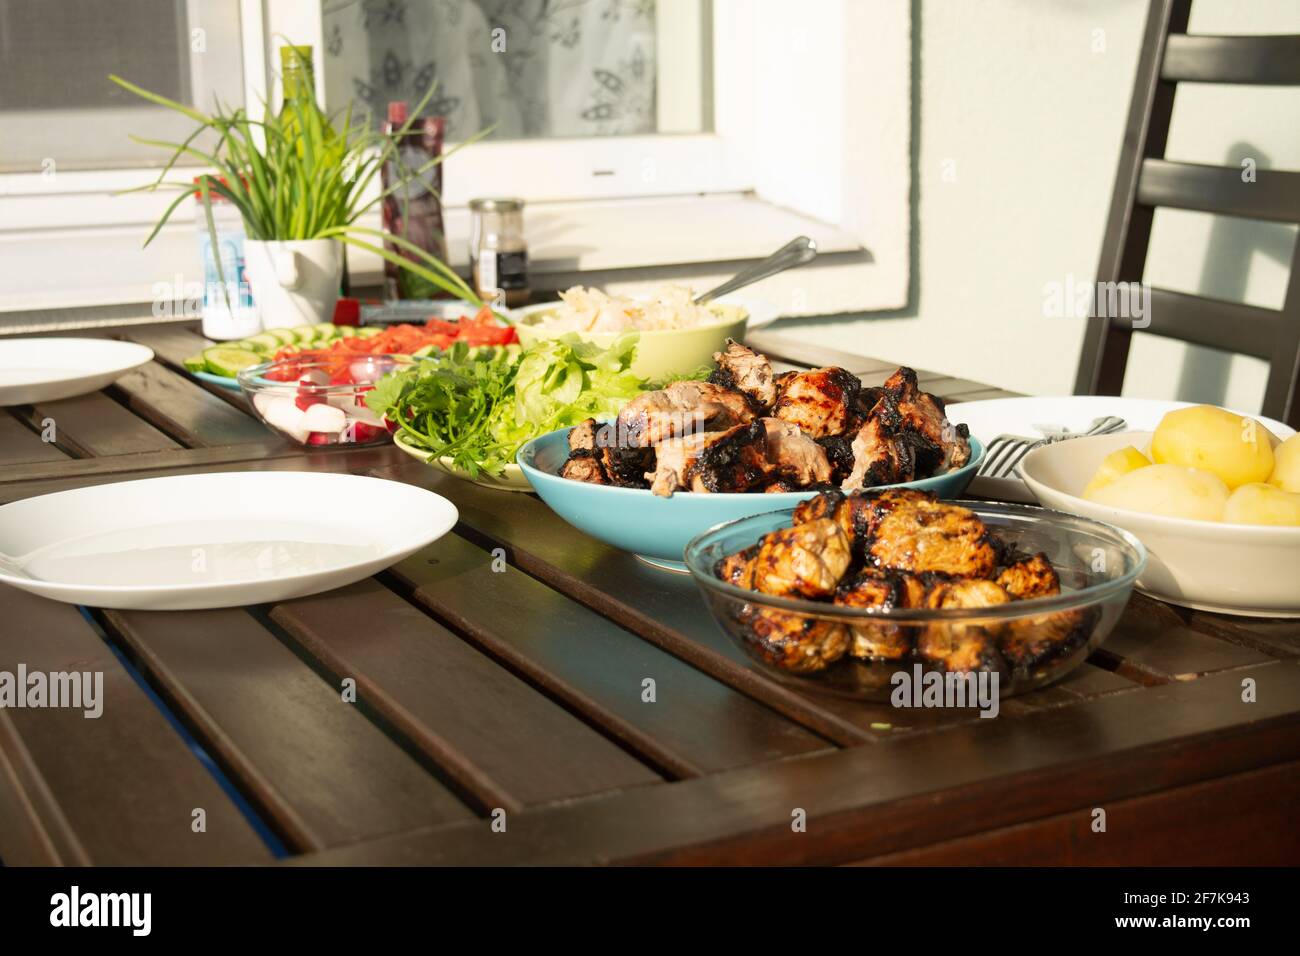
(299, 175)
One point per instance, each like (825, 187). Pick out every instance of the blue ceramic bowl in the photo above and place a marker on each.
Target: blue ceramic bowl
(657, 529)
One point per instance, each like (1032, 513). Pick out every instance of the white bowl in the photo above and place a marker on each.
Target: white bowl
(1208, 565)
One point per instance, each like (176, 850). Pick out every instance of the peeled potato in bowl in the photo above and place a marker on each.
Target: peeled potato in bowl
(1259, 503)
(1238, 450)
(1115, 466)
(1171, 490)
(1286, 465)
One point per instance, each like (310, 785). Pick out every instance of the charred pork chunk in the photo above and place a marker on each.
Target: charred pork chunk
(583, 437)
(839, 453)
(859, 514)
(627, 467)
(792, 455)
(746, 371)
(906, 435)
(738, 568)
(735, 460)
(584, 468)
(680, 409)
(962, 647)
(883, 451)
(1028, 642)
(1031, 576)
(729, 461)
(795, 642)
(920, 535)
(805, 561)
(822, 401)
(870, 640)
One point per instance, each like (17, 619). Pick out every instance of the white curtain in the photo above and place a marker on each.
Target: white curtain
(568, 68)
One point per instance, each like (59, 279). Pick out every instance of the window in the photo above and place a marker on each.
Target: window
(58, 109)
(529, 70)
(652, 139)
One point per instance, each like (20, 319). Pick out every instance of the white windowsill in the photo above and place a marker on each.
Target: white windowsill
(622, 245)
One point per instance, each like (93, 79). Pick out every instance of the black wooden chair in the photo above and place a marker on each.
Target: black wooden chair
(1146, 180)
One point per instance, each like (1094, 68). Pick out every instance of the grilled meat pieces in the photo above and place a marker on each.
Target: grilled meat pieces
(905, 435)
(839, 453)
(1028, 643)
(1031, 576)
(746, 371)
(594, 459)
(584, 468)
(682, 408)
(738, 568)
(795, 642)
(963, 647)
(883, 452)
(793, 456)
(925, 535)
(871, 640)
(734, 460)
(805, 561)
(822, 402)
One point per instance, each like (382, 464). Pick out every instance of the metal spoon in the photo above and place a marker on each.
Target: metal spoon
(794, 253)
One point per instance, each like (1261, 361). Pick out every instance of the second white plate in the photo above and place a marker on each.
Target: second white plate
(45, 369)
(214, 540)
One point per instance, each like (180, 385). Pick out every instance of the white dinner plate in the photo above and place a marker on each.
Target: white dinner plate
(1024, 416)
(41, 370)
(214, 540)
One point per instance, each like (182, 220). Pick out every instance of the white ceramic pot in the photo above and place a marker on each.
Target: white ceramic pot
(294, 282)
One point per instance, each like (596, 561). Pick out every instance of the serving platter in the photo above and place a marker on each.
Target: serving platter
(213, 540)
(1031, 416)
(512, 479)
(45, 369)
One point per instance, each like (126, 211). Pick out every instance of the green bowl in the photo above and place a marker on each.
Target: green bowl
(660, 354)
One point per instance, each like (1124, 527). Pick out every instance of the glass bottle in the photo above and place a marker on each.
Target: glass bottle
(498, 253)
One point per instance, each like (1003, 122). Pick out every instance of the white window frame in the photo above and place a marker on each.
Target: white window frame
(804, 156)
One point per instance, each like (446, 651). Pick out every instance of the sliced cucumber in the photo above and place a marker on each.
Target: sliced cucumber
(286, 336)
(267, 341)
(196, 363)
(324, 332)
(228, 361)
(347, 331)
(368, 331)
(304, 333)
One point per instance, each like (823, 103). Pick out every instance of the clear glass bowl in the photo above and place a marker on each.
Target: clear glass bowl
(317, 401)
(1028, 644)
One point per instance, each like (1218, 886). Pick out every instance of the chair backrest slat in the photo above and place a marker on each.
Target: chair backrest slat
(1260, 60)
(1146, 180)
(1254, 194)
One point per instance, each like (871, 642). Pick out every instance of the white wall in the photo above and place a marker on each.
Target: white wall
(1022, 108)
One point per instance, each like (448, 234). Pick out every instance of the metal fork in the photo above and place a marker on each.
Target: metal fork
(1005, 452)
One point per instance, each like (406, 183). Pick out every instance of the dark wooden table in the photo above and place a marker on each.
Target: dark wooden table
(499, 715)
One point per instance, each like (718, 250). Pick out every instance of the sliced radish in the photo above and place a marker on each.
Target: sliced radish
(283, 414)
(322, 438)
(324, 418)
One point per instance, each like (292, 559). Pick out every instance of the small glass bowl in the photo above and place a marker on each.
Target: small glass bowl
(1028, 644)
(320, 401)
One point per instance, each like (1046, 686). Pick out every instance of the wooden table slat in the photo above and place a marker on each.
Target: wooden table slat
(95, 426)
(20, 444)
(317, 768)
(597, 667)
(190, 414)
(497, 738)
(120, 788)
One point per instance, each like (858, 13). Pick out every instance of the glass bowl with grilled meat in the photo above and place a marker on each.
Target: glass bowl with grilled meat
(848, 592)
(683, 458)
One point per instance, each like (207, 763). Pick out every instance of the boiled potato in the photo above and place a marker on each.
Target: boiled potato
(1286, 464)
(1236, 449)
(1258, 503)
(1115, 465)
(1171, 490)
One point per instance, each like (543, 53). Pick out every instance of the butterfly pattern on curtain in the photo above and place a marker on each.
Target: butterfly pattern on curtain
(569, 67)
